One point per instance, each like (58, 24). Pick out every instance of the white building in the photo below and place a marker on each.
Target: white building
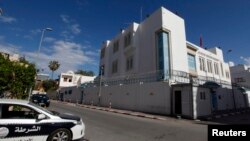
(158, 45)
(151, 67)
(70, 79)
(240, 75)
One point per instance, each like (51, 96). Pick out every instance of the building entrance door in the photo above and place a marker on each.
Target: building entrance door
(178, 109)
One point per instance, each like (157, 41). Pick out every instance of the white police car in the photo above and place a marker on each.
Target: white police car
(24, 121)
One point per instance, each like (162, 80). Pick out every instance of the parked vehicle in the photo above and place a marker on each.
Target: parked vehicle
(24, 120)
(40, 99)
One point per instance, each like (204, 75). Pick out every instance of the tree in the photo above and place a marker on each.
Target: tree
(86, 73)
(49, 85)
(16, 77)
(53, 66)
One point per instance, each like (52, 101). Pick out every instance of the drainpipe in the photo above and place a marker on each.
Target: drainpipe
(233, 98)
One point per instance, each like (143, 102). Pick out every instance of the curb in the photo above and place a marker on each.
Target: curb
(115, 111)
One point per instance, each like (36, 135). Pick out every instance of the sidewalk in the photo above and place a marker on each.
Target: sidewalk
(225, 113)
(215, 115)
(125, 112)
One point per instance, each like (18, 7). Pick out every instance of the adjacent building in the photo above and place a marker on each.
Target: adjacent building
(70, 79)
(241, 75)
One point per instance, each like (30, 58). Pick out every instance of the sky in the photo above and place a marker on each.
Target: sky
(80, 27)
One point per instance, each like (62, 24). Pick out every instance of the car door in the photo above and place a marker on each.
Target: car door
(18, 122)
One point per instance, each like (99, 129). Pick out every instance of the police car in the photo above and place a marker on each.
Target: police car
(24, 121)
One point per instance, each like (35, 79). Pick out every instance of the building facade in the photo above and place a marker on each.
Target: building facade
(240, 75)
(151, 67)
(70, 79)
(158, 45)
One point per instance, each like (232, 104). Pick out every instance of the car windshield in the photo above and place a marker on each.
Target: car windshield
(43, 109)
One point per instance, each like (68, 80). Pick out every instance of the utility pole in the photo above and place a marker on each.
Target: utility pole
(100, 86)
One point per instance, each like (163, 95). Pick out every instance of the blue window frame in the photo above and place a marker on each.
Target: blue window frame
(163, 56)
(191, 62)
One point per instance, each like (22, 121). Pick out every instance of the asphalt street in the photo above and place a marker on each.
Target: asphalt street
(106, 126)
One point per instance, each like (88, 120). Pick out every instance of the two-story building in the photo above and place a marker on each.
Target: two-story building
(151, 67)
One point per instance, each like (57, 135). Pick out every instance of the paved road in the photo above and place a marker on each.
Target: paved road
(106, 126)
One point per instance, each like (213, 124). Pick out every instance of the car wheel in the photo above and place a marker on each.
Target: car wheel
(60, 135)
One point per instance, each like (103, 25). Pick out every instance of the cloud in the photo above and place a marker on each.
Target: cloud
(231, 64)
(70, 55)
(246, 60)
(75, 28)
(49, 39)
(71, 29)
(9, 48)
(65, 18)
(7, 19)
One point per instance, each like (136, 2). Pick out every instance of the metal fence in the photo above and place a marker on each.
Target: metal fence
(174, 76)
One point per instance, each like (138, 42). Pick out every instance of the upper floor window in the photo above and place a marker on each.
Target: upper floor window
(65, 79)
(115, 66)
(216, 68)
(222, 71)
(116, 46)
(227, 74)
(127, 40)
(129, 63)
(202, 64)
(191, 62)
(102, 53)
(209, 66)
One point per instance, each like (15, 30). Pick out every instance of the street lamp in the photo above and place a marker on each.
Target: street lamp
(38, 53)
(228, 51)
(40, 44)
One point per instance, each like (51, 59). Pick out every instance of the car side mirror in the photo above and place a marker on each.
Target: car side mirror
(41, 117)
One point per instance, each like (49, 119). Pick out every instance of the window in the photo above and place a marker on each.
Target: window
(240, 79)
(163, 53)
(202, 64)
(101, 70)
(116, 46)
(202, 95)
(216, 69)
(191, 62)
(102, 53)
(70, 91)
(129, 63)
(127, 40)
(70, 80)
(12, 111)
(115, 66)
(222, 72)
(209, 66)
(227, 74)
(66, 92)
(65, 79)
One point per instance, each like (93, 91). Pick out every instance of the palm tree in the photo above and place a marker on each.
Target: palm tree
(53, 66)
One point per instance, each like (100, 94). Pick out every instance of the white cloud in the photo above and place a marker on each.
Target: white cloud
(7, 19)
(75, 28)
(9, 48)
(69, 54)
(71, 29)
(49, 39)
(231, 64)
(65, 18)
(246, 60)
